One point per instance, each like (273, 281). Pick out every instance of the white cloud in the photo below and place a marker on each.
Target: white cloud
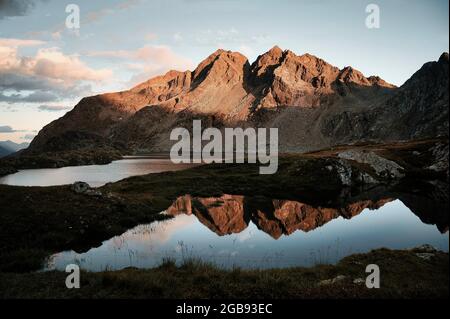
(48, 63)
(34, 97)
(52, 63)
(6, 129)
(95, 16)
(15, 43)
(54, 108)
(28, 137)
(149, 61)
(9, 129)
(46, 76)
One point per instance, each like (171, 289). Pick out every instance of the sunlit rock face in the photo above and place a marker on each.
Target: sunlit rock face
(313, 104)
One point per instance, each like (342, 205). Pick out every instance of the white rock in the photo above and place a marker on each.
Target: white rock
(426, 256)
(331, 281)
(382, 166)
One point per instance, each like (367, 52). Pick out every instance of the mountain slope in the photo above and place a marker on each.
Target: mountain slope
(313, 103)
(9, 147)
(4, 151)
(417, 110)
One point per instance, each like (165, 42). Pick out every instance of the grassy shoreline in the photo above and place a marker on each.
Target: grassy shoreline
(403, 274)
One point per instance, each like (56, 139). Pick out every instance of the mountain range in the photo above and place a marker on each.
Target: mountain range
(9, 147)
(314, 104)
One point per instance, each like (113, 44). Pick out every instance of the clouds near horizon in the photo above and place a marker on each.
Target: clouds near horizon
(48, 75)
(9, 129)
(147, 61)
(28, 137)
(54, 108)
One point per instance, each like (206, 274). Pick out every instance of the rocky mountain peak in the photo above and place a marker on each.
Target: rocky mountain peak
(220, 66)
(275, 50)
(350, 75)
(263, 67)
(432, 74)
(376, 80)
(444, 58)
(306, 97)
(219, 55)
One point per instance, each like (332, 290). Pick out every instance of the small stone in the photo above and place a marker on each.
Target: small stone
(383, 167)
(425, 256)
(344, 171)
(426, 248)
(80, 187)
(332, 281)
(92, 192)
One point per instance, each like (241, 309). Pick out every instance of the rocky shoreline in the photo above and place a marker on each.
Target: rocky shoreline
(6, 170)
(418, 273)
(84, 156)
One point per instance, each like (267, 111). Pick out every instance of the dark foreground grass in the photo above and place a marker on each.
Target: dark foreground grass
(403, 275)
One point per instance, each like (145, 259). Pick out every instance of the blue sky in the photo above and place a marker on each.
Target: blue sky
(49, 68)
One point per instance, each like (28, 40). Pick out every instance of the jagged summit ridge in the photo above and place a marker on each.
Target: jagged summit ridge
(312, 102)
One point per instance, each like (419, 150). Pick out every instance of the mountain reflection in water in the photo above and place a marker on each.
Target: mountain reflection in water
(231, 214)
(258, 232)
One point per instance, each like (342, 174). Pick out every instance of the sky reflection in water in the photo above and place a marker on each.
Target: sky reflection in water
(183, 237)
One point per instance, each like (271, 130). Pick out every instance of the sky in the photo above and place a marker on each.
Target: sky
(46, 67)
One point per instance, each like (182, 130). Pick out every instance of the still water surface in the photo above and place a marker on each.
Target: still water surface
(94, 175)
(184, 237)
(225, 231)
